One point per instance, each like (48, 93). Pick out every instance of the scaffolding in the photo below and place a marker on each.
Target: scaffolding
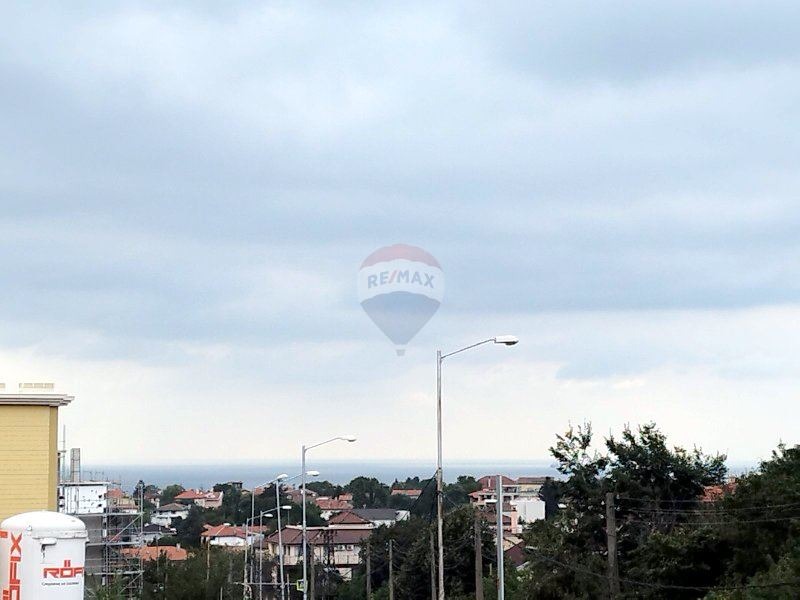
(115, 530)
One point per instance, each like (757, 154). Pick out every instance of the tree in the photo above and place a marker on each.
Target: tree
(651, 479)
(188, 530)
(201, 576)
(368, 492)
(324, 488)
(168, 493)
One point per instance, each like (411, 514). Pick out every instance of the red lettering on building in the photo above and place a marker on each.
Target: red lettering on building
(12, 592)
(66, 571)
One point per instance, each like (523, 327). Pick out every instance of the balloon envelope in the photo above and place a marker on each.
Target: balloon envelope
(400, 287)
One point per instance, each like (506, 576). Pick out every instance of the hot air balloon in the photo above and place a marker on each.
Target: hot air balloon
(400, 287)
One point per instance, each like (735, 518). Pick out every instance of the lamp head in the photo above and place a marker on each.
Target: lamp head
(491, 501)
(312, 473)
(270, 515)
(349, 438)
(507, 340)
(282, 476)
(286, 507)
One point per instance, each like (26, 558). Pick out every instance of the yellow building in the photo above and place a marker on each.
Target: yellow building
(29, 448)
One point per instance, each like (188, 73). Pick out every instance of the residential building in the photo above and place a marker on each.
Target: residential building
(165, 515)
(29, 459)
(200, 498)
(520, 497)
(530, 486)
(232, 536)
(414, 494)
(333, 547)
(349, 520)
(149, 553)
(330, 506)
(296, 494)
(151, 533)
(381, 516)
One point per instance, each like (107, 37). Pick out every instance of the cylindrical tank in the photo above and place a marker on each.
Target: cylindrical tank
(41, 557)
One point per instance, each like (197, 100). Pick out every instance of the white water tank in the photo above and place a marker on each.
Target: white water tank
(42, 556)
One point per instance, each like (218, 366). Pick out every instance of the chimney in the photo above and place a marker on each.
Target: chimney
(75, 465)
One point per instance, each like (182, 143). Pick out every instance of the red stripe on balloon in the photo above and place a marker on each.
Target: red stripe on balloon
(402, 251)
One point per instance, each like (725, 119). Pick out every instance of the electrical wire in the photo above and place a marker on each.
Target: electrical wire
(665, 586)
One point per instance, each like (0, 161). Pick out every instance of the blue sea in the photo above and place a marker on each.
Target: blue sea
(338, 472)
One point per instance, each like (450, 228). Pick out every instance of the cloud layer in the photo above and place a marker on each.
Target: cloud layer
(188, 191)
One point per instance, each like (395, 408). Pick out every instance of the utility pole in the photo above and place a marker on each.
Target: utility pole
(611, 537)
(478, 558)
(369, 572)
(312, 578)
(433, 569)
(391, 571)
(501, 580)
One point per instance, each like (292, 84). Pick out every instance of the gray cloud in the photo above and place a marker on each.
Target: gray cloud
(215, 175)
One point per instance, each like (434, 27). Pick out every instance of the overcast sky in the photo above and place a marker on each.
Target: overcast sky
(188, 190)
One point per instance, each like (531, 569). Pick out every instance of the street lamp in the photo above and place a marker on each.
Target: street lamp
(278, 509)
(344, 438)
(506, 340)
(278, 480)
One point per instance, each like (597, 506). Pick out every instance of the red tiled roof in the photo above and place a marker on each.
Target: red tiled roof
(326, 503)
(293, 536)
(148, 553)
(173, 506)
(197, 495)
(516, 554)
(347, 517)
(213, 531)
(115, 493)
(490, 481)
(412, 493)
(712, 493)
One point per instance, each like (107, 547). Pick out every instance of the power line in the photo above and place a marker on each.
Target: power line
(715, 510)
(666, 586)
(732, 522)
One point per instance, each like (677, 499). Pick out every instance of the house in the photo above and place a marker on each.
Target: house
(232, 536)
(200, 498)
(382, 516)
(337, 547)
(530, 486)
(528, 509)
(296, 494)
(521, 502)
(515, 555)
(151, 533)
(119, 501)
(330, 506)
(414, 494)
(148, 553)
(165, 515)
(348, 519)
(712, 493)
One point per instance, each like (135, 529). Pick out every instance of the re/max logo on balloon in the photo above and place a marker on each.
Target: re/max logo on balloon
(400, 287)
(387, 278)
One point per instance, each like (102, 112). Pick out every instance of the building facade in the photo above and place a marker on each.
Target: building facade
(29, 448)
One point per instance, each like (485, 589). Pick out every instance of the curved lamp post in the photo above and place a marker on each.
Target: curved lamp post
(506, 340)
(343, 438)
